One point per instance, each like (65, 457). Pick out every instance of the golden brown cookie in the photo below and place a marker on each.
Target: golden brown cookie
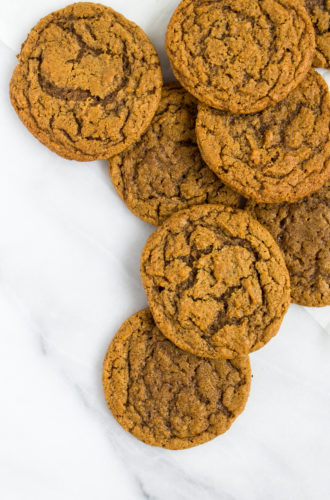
(164, 172)
(216, 281)
(88, 82)
(167, 397)
(302, 231)
(240, 55)
(279, 154)
(319, 11)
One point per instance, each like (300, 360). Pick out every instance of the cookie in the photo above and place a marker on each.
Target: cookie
(88, 82)
(279, 154)
(167, 397)
(302, 231)
(215, 281)
(240, 55)
(319, 11)
(164, 172)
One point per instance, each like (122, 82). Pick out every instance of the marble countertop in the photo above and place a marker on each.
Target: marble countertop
(69, 276)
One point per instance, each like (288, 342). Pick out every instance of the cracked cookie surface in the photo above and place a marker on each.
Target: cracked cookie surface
(164, 172)
(319, 11)
(167, 397)
(88, 82)
(302, 231)
(279, 154)
(216, 281)
(240, 55)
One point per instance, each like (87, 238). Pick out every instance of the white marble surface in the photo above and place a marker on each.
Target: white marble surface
(69, 259)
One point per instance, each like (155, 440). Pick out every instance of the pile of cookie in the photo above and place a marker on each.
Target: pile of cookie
(234, 168)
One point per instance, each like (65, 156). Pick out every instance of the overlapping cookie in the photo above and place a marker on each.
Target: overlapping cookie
(167, 397)
(279, 154)
(216, 281)
(164, 172)
(302, 231)
(319, 11)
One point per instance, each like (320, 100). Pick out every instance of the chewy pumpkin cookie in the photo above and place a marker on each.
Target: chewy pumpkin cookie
(164, 172)
(279, 154)
(88, 82)
(167, 397)
(302, 231)
(215, 280)
(240, 55)
(319, 11)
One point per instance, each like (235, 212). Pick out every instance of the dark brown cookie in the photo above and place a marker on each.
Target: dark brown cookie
(319, 11)
(279, 154)
(302, 231)
(215, 280)
(240, 55)
(164, 172)
(88, 82)
(167, 397)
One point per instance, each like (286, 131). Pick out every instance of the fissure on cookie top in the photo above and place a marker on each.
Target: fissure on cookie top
(163, 172)
(279, 154)
(88, 82)
(167, 397)
(240, 55)
(215, 281)
(302, 231)
(319, 11)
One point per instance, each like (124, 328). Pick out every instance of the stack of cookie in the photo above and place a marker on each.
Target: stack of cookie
(216, 281)
(263, 118)
(233, 166)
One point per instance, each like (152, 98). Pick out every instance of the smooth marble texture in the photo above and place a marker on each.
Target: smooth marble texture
(69, 276)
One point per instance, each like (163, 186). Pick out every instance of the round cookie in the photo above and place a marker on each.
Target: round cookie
(167, 397)
(319, 11)
(240, 55)
(279, 154)
(216, 281)
(88, 82)
(164, 172)
(302, 231)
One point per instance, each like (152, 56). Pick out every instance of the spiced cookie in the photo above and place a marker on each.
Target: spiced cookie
(167, 397)
(240, 55)
(215, 280)
(279, 154)
(319, 11)
(88, 82)
(164, 172)
(302, 231)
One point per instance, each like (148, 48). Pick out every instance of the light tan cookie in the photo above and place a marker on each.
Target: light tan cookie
(279, 154)
(88, 82)
(167, 397)
(216, 281)
(240, 55)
